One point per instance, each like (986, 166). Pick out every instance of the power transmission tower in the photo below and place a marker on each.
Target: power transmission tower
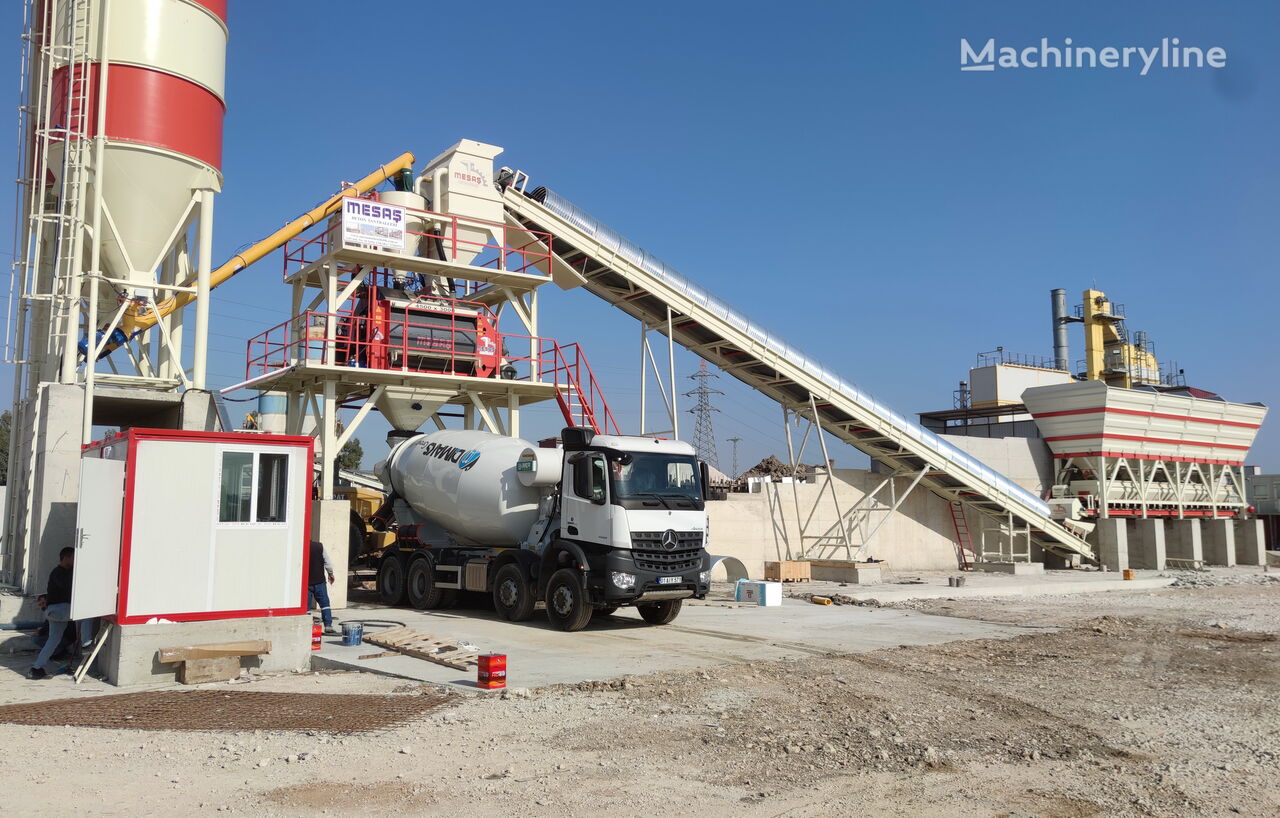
(734, 441)
(704, 438)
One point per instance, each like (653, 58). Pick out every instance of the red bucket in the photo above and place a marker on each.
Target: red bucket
(491, 671)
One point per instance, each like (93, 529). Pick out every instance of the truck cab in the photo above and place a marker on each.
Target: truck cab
(635, 508)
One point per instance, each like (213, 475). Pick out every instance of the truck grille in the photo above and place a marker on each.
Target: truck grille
(649, 553)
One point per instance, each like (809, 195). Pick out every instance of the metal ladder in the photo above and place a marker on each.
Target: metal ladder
(964, 542)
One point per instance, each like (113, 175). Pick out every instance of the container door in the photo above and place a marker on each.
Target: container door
(96, 579)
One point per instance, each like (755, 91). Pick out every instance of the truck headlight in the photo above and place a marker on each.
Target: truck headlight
(623, 581)
(704, 577)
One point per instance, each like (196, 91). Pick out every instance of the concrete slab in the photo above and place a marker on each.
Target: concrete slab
(706, 635)
(933, 585)
(1019, 569)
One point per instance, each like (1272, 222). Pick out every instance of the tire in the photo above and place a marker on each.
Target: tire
(660, 613)
(420, 585)
(567, 607)
(355, 545)
(512, 594)
(607, 610)
(391, 584)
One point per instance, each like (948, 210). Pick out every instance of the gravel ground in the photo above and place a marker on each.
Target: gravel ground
(1154, 703)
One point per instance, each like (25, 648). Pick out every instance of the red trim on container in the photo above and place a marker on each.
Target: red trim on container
(134, 437)
(1111, 410)
(126, 529)
(149, 107)
(217, 7)
(1142, 439)
(1136, 456)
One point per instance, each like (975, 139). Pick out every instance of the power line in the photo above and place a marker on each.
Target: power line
(704, 437)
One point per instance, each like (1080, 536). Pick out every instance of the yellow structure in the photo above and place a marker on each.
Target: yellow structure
(1110, 355)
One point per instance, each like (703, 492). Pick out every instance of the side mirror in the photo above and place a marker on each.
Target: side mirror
(705, 474)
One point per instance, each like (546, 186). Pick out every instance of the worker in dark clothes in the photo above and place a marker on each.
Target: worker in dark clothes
(57, 609)
(317, 592)
(42, 633)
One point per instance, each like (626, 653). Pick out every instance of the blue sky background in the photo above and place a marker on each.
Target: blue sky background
(824, 167)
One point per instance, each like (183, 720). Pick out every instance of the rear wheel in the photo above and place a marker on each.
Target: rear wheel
(422, 590)
(567, 607)
(391, 586)
(660, 613)
(512, 594)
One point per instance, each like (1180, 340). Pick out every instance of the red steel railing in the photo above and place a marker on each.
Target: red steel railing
(399, 344)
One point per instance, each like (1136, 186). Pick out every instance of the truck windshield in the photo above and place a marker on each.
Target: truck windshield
(669, 477)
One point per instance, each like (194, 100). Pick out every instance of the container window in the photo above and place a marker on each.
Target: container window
(273, 487)
(237, 487)
(254, 487)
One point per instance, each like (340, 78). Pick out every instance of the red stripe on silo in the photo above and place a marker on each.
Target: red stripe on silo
(218, 7)
(152, 108)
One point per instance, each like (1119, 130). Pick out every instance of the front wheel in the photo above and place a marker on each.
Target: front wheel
(512, 595)
(660, 613)
(391, 585)
(567, 607)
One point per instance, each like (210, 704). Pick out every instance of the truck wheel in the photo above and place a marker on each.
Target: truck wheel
(512, 596)
(421, 581)
(355, 545)
(567, 607)
(660, 613)
(607, 610)
(391, 581)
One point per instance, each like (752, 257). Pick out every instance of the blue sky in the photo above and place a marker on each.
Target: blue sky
(824, 167)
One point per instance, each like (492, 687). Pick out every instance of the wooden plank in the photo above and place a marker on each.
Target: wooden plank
(215, 650)
(379, 655)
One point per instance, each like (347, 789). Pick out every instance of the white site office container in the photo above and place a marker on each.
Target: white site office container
(186, 526)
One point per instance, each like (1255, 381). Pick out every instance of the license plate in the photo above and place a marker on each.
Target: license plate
(670, 580)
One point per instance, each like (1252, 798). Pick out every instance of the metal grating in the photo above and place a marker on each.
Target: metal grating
(228, 710)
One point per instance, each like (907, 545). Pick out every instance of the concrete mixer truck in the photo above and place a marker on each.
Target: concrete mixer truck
(597, 523)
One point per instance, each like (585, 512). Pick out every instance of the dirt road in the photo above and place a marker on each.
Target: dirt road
(1159, 703)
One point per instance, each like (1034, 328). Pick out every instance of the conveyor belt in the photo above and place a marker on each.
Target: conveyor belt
(642, 286)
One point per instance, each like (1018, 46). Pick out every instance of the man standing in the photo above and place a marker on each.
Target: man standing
(57, 609)
(318, 568)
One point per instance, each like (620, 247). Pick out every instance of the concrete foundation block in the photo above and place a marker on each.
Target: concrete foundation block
(1060, 562)
(200, 671)
(854, 573)
(1220, 542)
(1185, 540)
(1251, 542)
(331, 525)
(1147, 547)
(131, 655)
(1111, 543)
(1018, 569)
